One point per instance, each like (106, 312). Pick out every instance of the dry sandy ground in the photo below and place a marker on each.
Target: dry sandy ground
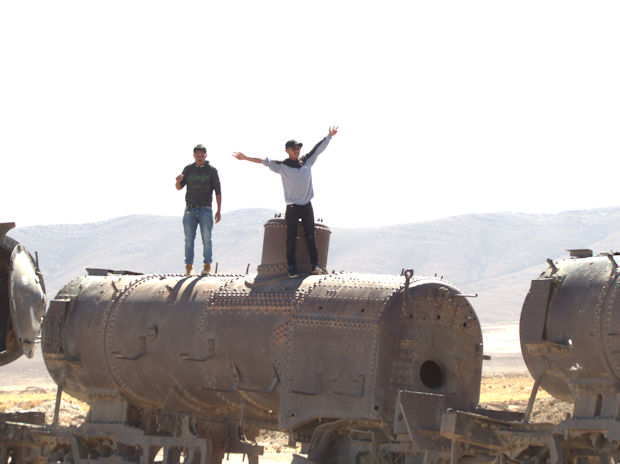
(503, 391)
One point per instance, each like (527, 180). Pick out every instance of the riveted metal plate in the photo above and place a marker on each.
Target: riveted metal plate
(54, 323)
(535, 311)
(355, 296)
(329, 370)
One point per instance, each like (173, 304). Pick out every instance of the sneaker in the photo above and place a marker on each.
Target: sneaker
(188, 269)
(292, 272)
(206, 270)
(316, 269)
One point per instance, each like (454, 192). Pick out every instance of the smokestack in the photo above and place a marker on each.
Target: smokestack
(273, 262)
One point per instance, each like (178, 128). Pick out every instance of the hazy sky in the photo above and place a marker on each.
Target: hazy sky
(444, 107)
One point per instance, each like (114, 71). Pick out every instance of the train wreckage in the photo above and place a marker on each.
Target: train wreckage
(358, 368)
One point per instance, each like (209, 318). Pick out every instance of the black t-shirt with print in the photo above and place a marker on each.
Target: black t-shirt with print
(201, 182)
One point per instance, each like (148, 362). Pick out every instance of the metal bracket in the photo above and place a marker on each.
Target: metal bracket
(236, 383)
(136, 356)
(465, 295)
(612, 260)
(4, 228)
(530, 403)
(408, 273)
(210, 353)
(59, 390)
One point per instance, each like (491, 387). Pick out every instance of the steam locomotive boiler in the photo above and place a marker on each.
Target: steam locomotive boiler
(22, 299)
(570, 339)
(22, 304)
(353, 366)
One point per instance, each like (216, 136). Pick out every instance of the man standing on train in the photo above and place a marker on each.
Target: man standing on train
(202, 180)
(296, 174)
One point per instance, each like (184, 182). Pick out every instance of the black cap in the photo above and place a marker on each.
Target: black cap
(293, 144)
(200, 147)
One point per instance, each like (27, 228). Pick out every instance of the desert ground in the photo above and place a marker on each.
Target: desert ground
(506, 390)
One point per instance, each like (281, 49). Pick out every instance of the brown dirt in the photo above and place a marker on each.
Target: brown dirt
(512, 392)
(72, 411)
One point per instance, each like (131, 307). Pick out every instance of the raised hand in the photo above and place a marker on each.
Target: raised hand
(333, 130)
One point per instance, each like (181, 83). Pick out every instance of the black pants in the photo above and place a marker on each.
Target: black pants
(293, 214)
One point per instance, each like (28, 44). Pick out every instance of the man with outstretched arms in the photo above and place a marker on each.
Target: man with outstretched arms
(296, 174)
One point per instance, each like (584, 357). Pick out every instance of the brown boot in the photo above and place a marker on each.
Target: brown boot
(206, 270)
(188, 269)
(317, 270)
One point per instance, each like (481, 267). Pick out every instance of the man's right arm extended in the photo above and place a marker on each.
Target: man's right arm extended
(275, 166)
(241, 156)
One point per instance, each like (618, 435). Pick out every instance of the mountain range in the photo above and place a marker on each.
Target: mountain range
(492, 255)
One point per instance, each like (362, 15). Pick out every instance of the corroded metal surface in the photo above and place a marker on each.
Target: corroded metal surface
(570, 340)
(22, 299)
(261, 350)
(361, 368)
(570, 326)
(121, 333)
(273, 261)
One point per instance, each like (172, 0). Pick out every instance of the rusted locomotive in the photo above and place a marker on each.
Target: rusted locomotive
(358, 368)
(569, 331)
(22, 304)
(570, 340)
(336, 360)
(22, 299)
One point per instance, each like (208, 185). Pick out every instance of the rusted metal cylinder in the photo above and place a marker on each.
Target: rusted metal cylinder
(286, 352)
(570, 326)
(276, 353)
(22, 299)
(274, 262)
(163, 340)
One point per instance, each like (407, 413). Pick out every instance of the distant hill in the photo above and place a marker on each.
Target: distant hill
(149, 244)
(495, 255)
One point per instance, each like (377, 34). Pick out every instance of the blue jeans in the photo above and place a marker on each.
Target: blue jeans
(191, 219)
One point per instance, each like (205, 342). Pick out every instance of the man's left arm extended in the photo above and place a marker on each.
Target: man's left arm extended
(320, 147)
